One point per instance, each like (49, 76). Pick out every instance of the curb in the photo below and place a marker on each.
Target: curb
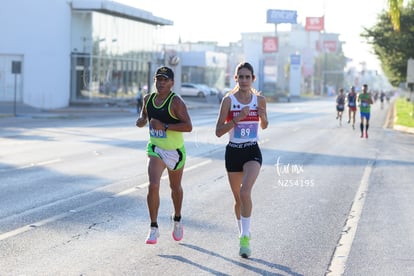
(390, 118)
(405, 129)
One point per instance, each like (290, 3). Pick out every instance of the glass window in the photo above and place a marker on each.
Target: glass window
(116, 65)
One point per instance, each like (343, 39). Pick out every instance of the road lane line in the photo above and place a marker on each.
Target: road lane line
(343, 247)
(20, 230)
(31, 165)
(205, 162)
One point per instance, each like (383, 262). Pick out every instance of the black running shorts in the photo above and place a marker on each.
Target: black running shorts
(238, 154)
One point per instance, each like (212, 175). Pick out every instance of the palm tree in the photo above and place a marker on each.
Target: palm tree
(394, 7)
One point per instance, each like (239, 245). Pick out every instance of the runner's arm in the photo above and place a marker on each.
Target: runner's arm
(179, 110)
(222, 126)
(143, 117)
(370, 100)
(261, 110)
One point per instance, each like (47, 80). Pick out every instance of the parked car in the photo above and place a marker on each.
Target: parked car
(210, 90)
(195, 90)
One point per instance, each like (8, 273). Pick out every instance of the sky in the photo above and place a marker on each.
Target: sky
(224, 20)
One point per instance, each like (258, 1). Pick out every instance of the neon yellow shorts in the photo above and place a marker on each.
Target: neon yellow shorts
(173, 159)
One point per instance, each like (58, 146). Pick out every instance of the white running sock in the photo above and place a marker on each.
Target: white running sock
(239, 225)
(245, 226)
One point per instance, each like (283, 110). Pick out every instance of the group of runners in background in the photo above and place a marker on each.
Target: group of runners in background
(363, 100)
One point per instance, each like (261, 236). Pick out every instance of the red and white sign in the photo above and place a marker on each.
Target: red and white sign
(270, 44)
(315, 24)
(329, 46)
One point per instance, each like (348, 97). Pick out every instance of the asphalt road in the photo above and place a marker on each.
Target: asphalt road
(73, 198)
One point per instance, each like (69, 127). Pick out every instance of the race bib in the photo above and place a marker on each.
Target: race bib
(157, 133)
(364, 104)
(245, 131)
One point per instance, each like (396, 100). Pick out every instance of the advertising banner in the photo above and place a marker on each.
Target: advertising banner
(315, 24)
(281, 16)
(270, 44)
(295, 75)
(328, 46)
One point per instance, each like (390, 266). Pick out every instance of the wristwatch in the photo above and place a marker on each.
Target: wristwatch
(165, 127)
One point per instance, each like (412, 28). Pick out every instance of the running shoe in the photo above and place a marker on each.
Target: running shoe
(153, 234)
(366, 135)
(178, 230)
(245, 251)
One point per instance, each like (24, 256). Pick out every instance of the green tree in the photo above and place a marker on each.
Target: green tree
(393, 48)
(331, 66)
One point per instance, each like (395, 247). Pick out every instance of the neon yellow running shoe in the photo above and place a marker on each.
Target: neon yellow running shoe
(245, 251)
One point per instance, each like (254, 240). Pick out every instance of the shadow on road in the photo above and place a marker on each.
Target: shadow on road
(244, 265)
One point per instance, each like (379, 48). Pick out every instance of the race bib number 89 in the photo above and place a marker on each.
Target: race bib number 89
(245, 131)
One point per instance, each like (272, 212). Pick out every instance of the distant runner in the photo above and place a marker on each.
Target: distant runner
(365, 101)
(340, 105)
(352, 106)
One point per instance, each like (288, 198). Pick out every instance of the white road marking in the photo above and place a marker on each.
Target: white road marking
(39, 223)
(343, 248)
(47, 162)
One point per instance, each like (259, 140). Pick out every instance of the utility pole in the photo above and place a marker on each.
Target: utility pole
(16, 70)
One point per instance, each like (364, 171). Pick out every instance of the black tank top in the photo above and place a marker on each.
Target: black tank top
(161, 112)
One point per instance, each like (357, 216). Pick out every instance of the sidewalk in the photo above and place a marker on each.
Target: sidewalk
(8, 110)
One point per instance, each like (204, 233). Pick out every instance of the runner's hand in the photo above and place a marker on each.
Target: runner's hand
(243, 113)
(156, 124)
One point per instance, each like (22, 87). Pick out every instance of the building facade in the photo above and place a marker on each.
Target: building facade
(76, 51)
(273, 69)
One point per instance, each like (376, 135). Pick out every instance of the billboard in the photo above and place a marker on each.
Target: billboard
(270, 44)
(315, 24)
(281, 16)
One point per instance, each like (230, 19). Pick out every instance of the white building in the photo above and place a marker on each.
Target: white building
(75, 50)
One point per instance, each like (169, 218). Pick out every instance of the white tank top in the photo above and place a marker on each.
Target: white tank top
(247, 129)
